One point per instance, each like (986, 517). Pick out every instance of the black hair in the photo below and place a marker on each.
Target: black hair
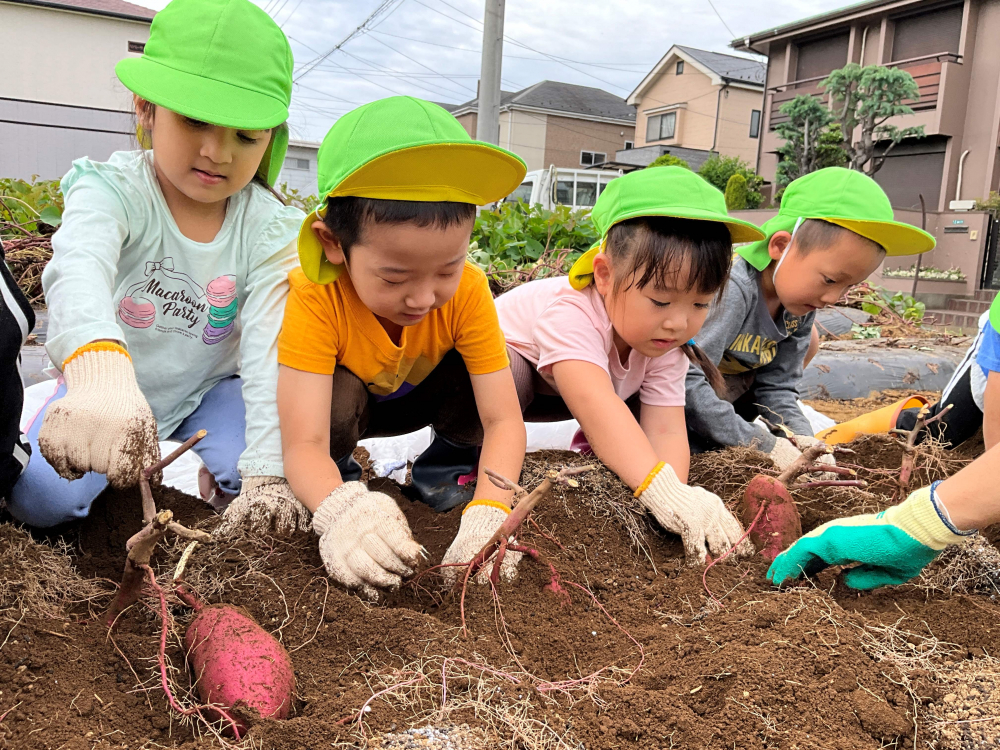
(348, 216)
(816, 233)
(654, 249)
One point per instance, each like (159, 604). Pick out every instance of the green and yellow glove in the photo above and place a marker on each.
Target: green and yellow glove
(892, 546)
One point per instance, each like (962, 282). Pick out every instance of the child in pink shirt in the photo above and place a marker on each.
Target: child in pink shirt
(610, 344)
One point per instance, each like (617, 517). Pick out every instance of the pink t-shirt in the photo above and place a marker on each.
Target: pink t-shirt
(547, 321)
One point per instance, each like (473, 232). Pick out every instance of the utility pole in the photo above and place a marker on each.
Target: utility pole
(488, 118)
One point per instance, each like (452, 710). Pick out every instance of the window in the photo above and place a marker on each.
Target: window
(754, 123)
(521, 193)
(680, 67)
(661, 127)
(293, 163)
(136, 47)
(629, 145)
(591, 158)
(586, 193)
(820, 57)
(927, 33)
(564, 191)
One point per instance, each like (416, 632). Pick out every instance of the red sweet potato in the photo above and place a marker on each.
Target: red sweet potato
(236, 663)
(779, 525)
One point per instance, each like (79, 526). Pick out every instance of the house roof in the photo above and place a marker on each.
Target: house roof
(748, 41)
(720, 68)
(113, 8)
(555, 96)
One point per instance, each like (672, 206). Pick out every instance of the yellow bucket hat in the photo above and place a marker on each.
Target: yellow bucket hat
(403, 149)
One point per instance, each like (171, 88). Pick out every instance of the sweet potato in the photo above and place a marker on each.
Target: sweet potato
(236, 663)
(779, 525)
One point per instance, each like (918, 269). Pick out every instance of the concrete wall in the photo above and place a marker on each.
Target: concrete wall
(524, 134)
(303, 180)
(566, 137)
(733, 137)
(695, 118)
(64, 57)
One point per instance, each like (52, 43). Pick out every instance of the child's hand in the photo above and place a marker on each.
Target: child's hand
(103, 423)
(698, 516)
(480, 520)
(365, 541)
(265, 505)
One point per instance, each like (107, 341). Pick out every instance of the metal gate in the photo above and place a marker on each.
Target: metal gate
(990, 278)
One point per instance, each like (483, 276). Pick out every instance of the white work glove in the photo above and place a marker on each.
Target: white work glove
(364, 540)
(103, 423)
(265, 505)
(808, 441)
(699, 517)
(783, 454)
(480, 521)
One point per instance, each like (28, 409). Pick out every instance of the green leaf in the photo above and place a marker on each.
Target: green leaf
(871, 309)
(50, 215)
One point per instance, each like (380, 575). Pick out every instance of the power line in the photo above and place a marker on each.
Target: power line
(399, 52)
(732, 35)
(385, 7)
(401, 74)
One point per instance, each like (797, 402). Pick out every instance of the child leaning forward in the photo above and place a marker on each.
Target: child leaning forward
(610, 344)
(388, 329)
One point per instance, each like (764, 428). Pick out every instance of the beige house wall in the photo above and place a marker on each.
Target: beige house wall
(693, 90)
(524, 134)
(468, 122)
(62, 57)
(566, 137)
(733, 138)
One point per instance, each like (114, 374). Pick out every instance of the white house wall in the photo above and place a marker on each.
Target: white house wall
(524, 134)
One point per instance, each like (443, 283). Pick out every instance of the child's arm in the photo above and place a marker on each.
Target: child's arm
(667, 432)
(504, 436)
(991, 409)
(776, 384)
(504, 441)
(365, 542)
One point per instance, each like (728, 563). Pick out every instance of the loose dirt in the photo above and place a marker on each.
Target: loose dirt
(645, 653)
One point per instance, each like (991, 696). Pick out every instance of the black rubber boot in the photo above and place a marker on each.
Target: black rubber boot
(350, 470)
(435, 473)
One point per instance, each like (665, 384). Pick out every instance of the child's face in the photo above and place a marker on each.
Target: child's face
(206, 163)
(651, 320)
(402, 271)
(809, 281)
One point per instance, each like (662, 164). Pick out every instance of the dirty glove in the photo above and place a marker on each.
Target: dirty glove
(697, 515)
(480, 521)
(265, 505)
(103, 423)
(364, 539)
(783, 454)
(892, 546)
(808, 441)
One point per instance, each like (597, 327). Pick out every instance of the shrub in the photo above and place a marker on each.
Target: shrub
(736, 193)
(29, 207)
(718, 169)
(668, 160)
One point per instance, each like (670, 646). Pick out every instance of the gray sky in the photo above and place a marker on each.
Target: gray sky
(430, 48)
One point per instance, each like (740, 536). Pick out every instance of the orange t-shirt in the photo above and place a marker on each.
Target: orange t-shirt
(327, 325)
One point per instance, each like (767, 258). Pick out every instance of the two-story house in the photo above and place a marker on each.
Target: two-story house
(60, 99)
(950, 50)
(558, 123)
(695, 103)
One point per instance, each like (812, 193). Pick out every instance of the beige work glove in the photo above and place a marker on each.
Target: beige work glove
(783, 454)
(698, 516)
(265, 505)
(364, 539)
(103, 423)
(480, 521)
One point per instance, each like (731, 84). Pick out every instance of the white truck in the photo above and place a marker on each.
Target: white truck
(555, 186)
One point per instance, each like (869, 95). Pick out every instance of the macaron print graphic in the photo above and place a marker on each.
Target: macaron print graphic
(136, 312)
(223, 305)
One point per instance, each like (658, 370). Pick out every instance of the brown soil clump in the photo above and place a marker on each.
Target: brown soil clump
(640, 656)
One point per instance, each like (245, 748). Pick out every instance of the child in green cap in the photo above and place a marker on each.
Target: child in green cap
(833, 230)
(610, 345)
(388, 329)
(169, 276)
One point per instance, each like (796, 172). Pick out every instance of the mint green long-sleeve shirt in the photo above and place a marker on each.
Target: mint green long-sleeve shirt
(189, 313)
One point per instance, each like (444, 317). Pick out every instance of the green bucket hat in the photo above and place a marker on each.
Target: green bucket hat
(849, 199)
(224, 62)
(657, 191)
(995, 314)
(406, 149)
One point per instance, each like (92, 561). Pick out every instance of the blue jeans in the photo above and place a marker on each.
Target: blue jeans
(41, 498)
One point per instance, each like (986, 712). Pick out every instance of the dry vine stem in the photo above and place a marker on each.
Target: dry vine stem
(141, 546)
(807, 464)
(910, 448)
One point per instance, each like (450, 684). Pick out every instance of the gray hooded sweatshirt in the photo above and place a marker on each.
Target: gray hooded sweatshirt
(745, 342)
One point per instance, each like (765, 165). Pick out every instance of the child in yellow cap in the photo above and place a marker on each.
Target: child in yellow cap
(610, 345)
(168, 277)
(388, 329)
(834, 228)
